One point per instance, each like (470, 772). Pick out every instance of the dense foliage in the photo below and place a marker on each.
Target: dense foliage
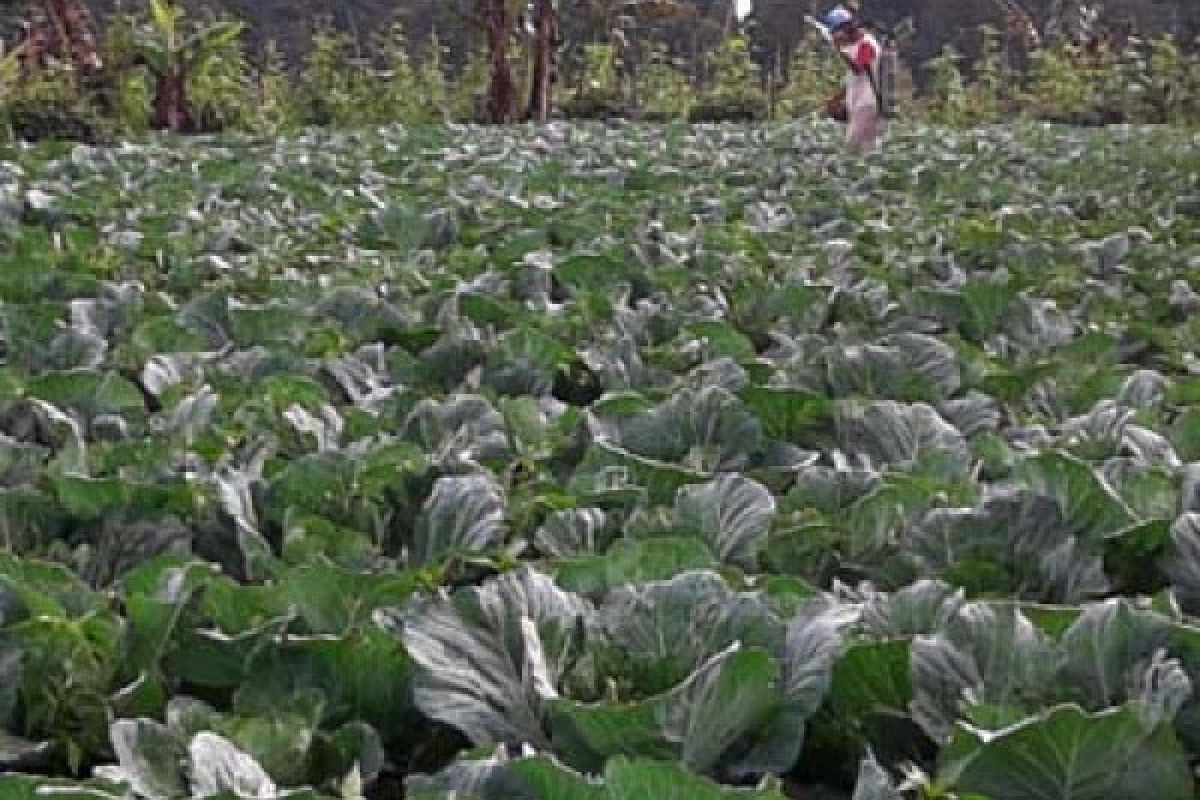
(168, 70)
(776, 29)
(602, 461)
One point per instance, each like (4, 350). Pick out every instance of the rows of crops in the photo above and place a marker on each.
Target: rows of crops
(602, 462)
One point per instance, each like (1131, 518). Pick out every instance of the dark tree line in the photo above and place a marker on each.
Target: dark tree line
(775, 27)
(550, 34)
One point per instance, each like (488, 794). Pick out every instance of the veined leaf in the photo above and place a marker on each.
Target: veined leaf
(465, 513)
(732, 514)
(489, 658)
(1067, 752)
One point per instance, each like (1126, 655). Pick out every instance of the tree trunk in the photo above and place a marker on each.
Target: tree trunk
(60, 29)
(85, 52)
(501, 105)
(545, 59)
(171, 110)
(74, 23)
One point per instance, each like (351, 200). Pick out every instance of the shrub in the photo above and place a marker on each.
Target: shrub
(813, 74)
(947, 102)
(48, 104)
(432, 91)
(464, 95)
(396, 94)
(990, 95)
(599, 95)
(662, 87)
(277, 107)
(127, 92)
(736, 93)
(221, 89)
(334, 85)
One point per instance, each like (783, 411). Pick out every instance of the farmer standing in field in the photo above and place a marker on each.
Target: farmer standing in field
(860, 50)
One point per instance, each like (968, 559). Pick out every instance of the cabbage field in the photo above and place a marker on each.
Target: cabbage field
(593, 462)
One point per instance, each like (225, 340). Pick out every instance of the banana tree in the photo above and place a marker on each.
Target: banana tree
(173, 56)
(542, 23)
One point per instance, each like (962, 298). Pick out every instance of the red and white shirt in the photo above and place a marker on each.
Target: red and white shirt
(864, 53)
